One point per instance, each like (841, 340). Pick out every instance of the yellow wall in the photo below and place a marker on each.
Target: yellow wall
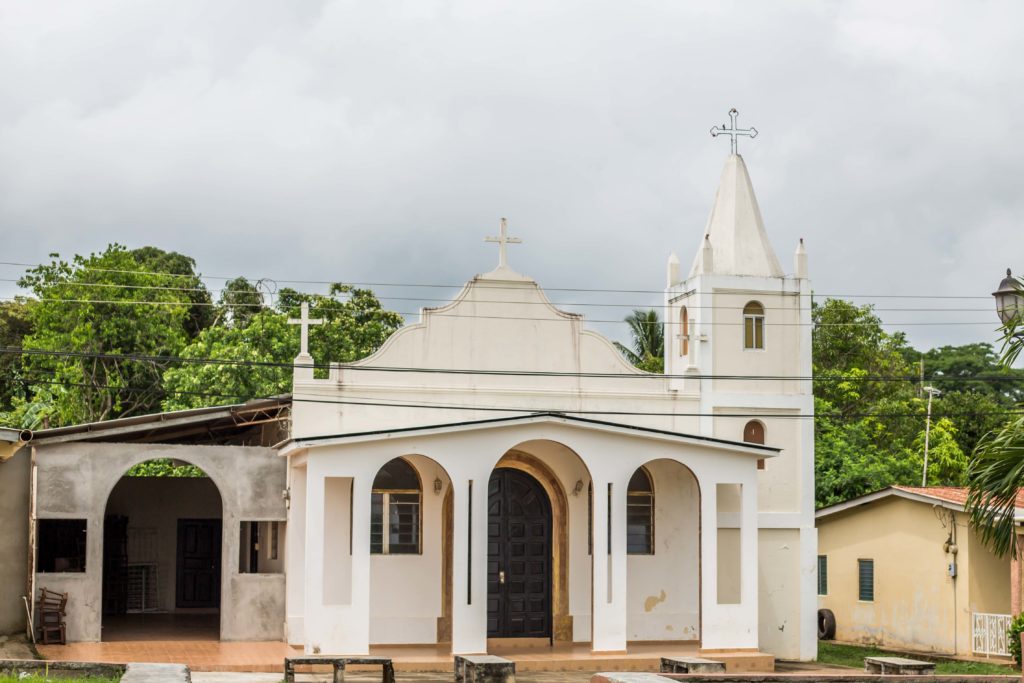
(917, 606)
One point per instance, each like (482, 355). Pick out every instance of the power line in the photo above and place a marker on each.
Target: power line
(575, 317)
(13, 350)
(368, 401)
(488, 285)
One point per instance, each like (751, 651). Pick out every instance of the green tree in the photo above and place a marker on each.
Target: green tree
(648, 339)
(996, 473)
(355, 326)
(240, 301)
(91, 308)
(14, 327)
(947, 464)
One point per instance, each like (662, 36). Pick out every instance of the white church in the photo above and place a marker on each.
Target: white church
(497, 471)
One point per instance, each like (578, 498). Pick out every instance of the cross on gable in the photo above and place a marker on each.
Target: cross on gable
(733, 132)
(304, 321)
(501, 240)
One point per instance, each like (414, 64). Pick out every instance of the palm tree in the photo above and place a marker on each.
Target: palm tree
(995, 477)
(648, 352)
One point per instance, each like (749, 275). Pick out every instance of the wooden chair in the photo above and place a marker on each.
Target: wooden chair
(52, 610)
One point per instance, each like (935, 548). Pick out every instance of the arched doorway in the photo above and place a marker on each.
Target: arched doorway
(162, 554)
(519, 557)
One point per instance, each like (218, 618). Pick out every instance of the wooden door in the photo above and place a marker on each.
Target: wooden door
(518, 556)
(198, 575)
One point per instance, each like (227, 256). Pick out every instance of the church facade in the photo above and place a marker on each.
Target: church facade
(497, 471)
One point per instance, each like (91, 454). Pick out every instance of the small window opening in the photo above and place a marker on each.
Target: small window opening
(258, 548)
(684, 332)
(753, 326)
(640, 514)
(866, 580)
(61, 545)
(822, 575)
(396, 497)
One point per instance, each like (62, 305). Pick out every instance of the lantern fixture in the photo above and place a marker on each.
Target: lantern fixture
(1009, 301)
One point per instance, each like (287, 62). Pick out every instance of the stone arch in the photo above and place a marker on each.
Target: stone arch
(436, 506)
(157, 532)
(519, 458)
(674, 611)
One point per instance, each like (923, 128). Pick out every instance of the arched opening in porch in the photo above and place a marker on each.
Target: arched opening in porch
(663, 532)
(563, 479)
(162, 554)
(410, 553)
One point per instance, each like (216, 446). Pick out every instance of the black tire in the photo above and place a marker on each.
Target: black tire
(826, 624)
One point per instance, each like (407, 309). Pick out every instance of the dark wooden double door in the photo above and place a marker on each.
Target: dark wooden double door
(518, 556)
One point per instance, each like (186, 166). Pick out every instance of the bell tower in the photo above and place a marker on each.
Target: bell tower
(738, 340)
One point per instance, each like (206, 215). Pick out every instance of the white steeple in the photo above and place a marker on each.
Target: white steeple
(672, 269)
(800, 260)
(735, 229)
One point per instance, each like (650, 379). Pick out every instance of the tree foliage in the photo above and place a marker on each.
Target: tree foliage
(648, 340)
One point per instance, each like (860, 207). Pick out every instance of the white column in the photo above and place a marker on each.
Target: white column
(711, 635)
(469, 578)
(358, 636)
(609, 569)
(749, 564)
(295, 558)
(313, 594)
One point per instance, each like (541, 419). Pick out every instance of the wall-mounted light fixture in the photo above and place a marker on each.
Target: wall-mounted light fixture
(438, 485)
(578, 487)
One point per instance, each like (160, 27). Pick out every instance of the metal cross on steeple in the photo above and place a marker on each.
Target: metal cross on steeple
(501, 241)
(304, 321)
(733, 132)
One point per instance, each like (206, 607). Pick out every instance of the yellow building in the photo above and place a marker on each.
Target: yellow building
(901, 568)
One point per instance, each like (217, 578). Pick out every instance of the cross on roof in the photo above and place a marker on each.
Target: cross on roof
(304, 321)
(733, 132)
(501, 241)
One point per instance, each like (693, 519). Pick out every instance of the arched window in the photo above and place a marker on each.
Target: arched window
(753, 326)
(753, 432)
(396, 493)
(684, 332)
(640, 514)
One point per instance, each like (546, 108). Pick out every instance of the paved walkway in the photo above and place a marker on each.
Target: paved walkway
(368, 677)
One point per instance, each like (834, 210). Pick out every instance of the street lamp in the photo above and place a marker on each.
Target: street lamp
(1009, 301)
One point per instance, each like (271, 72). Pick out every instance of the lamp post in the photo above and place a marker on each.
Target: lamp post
(1009, 300)
(932, 393)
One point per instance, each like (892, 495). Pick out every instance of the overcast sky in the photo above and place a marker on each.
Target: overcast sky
(381, 141)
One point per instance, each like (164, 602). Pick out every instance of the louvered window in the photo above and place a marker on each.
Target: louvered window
(866, 580)
(822, 575)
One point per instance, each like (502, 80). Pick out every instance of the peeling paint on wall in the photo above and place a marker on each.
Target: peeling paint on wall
(652, 601)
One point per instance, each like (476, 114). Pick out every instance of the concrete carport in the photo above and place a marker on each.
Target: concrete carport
(76, 469)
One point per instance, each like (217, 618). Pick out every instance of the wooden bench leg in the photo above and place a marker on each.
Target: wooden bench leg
(289, 672)
(339, 672)
(388, 673)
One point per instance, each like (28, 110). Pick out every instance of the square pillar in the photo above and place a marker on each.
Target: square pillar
(469, 565)
(295, 557)
(608, 632)
(337, 602)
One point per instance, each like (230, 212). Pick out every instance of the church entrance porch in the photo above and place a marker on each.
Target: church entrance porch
(518, 556)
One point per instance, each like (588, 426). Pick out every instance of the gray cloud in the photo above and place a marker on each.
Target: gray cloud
(381, 141)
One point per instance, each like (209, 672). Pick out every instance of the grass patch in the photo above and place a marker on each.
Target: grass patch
(35, 678)
(853, 656)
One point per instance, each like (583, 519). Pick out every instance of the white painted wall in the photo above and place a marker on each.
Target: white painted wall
(664, 594)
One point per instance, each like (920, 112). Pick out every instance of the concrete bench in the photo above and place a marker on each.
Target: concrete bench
(339, 664)
(691, 665)
(898, 666)
(484, 669)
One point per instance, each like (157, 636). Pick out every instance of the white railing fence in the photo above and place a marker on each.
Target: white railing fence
(989, 633)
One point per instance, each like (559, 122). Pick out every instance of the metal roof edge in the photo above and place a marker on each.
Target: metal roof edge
(887, 492)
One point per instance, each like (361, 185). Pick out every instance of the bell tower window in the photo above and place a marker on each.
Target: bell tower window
(684, 332)
(753, 326)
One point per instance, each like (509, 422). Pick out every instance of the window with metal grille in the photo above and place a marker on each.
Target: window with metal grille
(753, 326)
(640, 514)
(866, 580)
(822, 575)
(60, 545)
(395, 498)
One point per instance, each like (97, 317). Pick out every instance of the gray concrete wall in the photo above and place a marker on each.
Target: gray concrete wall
(75, 481)
(14, 490)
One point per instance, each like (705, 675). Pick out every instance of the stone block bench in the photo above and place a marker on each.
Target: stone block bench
(628, 677)
(339, 664)
(484, 669)
(691, 665)
(156, 673)
(898, 666)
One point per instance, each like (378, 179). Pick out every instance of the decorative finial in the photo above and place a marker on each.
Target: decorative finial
(732, 131)
(304, 321)
(501, 241)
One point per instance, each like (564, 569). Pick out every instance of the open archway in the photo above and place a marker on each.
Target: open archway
(162, 554)
(410, 560)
